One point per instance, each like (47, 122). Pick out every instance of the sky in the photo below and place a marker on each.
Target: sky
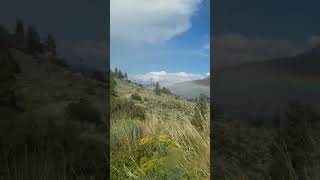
(251, 30)
(167, 41)
(79, 26)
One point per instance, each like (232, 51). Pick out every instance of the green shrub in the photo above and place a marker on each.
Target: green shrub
(83, 111)
(136, 96)
(159, 158)
(123, 108)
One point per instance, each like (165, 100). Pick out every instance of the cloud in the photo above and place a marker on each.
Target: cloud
(149, 21)
(203, 51)
(231, 49)
(166, 78)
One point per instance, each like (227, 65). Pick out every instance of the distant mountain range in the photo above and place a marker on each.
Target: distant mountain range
(191, 89)
(263, 88)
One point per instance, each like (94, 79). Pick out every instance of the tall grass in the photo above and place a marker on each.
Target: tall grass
(138, 152)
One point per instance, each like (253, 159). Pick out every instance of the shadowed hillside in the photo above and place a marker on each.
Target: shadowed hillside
(261, 89)
(52, 119)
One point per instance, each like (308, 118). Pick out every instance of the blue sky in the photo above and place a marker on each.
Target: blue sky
(170, 38)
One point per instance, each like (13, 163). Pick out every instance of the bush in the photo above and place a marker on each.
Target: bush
(165, 90)
(83, 111)
(123, 108)
(136, 96)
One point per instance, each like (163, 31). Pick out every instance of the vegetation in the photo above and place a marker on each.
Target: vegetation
(46, 130)
(136, 96)
(163, 144)
(83, 111)
(157, 88)
(288, 150)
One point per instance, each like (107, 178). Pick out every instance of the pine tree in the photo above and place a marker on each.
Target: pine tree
(157, 88)
(165, 90)
(50, 44)
(120, 74)
(19, 35)
(113, 85)
(33, 41)
(126, 76)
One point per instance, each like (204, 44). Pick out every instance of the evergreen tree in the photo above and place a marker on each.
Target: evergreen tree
(50, 44)
(157, 88)
(19, 35)
(165, 90)
(120, 74)
(33, 41)
(126, 76)
(113, 85)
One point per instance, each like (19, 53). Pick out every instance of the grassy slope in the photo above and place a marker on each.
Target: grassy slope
(43, 85)
(44, 89)
(166, 117)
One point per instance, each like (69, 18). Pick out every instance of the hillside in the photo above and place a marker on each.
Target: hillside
(57, 112)
(241, 89)
(156, 136)
(266, 119)
(191, 89)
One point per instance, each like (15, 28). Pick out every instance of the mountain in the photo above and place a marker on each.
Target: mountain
(263, 88)
(191, 89)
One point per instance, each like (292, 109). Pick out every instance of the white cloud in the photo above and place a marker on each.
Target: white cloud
(149, 21)
(206, 46)
(166, 78)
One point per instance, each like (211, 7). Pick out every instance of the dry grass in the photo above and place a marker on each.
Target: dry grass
(183, 151)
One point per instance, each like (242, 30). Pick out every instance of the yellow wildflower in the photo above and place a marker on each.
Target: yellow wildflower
(146, 140)
(164, 138)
